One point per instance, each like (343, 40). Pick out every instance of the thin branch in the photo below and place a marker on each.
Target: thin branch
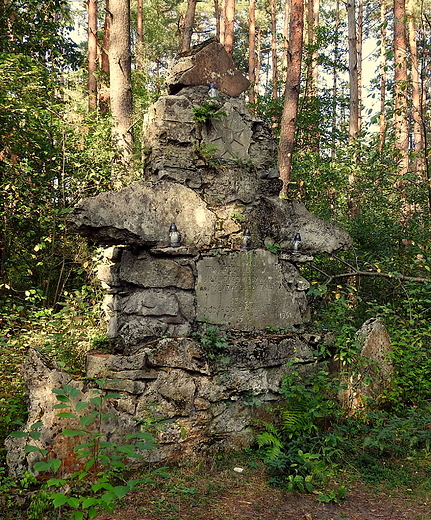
(389, 276)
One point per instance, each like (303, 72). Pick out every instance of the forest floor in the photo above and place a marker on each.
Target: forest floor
(211, 493)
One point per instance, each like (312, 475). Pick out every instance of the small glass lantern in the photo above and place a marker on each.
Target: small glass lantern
(212, 91)
(246, 240)
(174, 236)
(297, 243)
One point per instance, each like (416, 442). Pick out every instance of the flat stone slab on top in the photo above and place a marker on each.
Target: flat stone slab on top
(250, 290)
(205, 64)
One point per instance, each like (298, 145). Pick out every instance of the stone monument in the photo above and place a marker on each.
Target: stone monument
(232, 265)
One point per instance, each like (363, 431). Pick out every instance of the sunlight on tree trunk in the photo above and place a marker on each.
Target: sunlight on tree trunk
(418, 137)
(291, 94)
(274, 67)
(335, 82)
(229, 17)
(120, 78)
(189, 20)
(92, 54)
(383, 76)
(400, 86)
(353, 71)
(286, 23)
(252, 51)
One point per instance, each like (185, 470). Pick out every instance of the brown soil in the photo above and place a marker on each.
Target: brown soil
(211, 494)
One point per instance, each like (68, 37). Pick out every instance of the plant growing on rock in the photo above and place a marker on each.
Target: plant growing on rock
(101, 480)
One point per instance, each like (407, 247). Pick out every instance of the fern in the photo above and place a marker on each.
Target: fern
(270, 441)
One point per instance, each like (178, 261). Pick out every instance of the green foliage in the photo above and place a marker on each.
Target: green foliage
(273, 248)
(102, 479)
(207, 112)
(214, 341)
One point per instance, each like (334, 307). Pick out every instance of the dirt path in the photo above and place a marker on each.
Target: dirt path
(227, 495)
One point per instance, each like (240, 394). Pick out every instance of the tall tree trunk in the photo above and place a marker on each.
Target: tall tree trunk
(274, 49)
(229, 19)
(400, 86)
(291, 94)
(217, 18)
(222, 20)
(120, 78)
(104, 87)
(258, 58)
(335, 81)
(286, 23)
(312, 25)
(353, 71)
(92, 54)
(418, 136)
(359, 45)
(383, 76)
(140, 33)
(189, 20)
(252, 51)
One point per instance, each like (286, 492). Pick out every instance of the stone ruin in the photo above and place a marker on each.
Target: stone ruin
(235, 269)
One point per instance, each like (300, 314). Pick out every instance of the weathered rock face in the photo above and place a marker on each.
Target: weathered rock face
(207, 63)
(208, 405)
(215, 180)
(374, 371)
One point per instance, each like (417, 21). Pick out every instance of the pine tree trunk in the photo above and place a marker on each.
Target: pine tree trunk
(400, 86)
(189, 20)
(335, 81)
(353, 71)
(383, 76)
(360, 42)
(120, 78)
(229, 17)
(139, 34)
(92, 54)
(252, 51)
(291, 94)
(418, 137)
(217, 18)
(274, 49)
(286, 23)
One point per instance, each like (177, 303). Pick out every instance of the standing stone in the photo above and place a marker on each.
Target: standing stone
(373, 372)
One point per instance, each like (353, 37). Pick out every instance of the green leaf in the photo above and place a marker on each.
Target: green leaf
(120, 491)
(88, 502)
(36, 425)
(96, 400)
(59, 499)
(78, 515)
(73, 502)
(67, 415)
(73, 433)
(81, 406)
(112, 396)
(56, 482)
(86, 420)
(92, 513)
(18, 435)
(102, 485)
(42, 466)
(35, 435)
(31, 449)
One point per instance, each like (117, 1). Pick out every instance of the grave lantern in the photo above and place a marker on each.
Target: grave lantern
(297, 243)
(246, 240)
(174, 236)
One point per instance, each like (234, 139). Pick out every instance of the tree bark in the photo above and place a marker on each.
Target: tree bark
(353, 71)
(418, 135)
(335, 81)
(252, 51)
(189, 19)
(120, 78)
(217, 12)
(286, 23)
(274, 49)
(360, 36)
(291, 94)
(92, 54)
(229, 18)
(400, 86)
(383, 76)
